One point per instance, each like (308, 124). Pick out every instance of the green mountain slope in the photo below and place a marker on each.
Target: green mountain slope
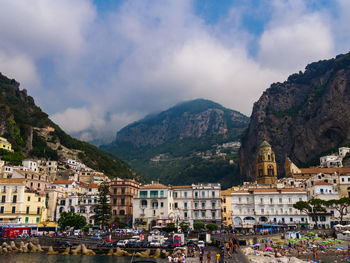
(182, 144)
(20, 120)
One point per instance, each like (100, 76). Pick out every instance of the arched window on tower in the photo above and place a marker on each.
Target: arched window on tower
(269, 157)
(261, 172)
(270, 171)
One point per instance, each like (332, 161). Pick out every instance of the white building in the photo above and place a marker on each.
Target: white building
(343, 151)
(152, 206)
(267, 206)
(83, 204)
(193, 203)
(31, 165)
(331, 161)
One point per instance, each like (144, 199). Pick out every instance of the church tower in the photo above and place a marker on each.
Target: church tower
(266, 167)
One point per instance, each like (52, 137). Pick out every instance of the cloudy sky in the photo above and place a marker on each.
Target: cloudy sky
(96, 66)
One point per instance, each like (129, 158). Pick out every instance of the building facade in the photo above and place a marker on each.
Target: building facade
(122, 194)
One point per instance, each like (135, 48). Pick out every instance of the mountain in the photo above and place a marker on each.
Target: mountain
(180, 145)
(25, 125)
(303, 118)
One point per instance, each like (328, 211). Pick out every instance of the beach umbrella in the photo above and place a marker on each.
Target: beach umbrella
(269, 248)
(346, 232)
(339, 241)
(304, 238)
(256, 244)
(311, 233)
(280, 241)
(292, 240)
(317, 238)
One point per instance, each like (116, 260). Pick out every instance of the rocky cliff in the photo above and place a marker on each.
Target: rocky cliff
(303, 118)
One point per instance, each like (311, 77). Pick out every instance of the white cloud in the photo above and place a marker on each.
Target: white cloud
(294, 38)
(106, 71)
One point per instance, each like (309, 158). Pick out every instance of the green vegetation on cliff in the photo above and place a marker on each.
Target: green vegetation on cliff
(19, 114)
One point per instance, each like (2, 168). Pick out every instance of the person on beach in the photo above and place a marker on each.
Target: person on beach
(217, 257)
(208, 257)
(201, 257)
(170, 259)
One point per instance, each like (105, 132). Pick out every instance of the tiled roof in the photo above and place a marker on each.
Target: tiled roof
(12, 181)
(63, 182)
(93, 185)
(154, 186)
(181, 186)
(316, 170)
(322, 183)
(26, 172)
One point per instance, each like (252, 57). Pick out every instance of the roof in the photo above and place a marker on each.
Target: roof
(12, 181)
(322, 183)
(154, 186)
(317, 170)
(26, 172)
(181, 186)
(93, 186)
(270, 190)
(265, 143)
(63, 182)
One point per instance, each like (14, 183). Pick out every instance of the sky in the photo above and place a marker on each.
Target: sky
(96, 66)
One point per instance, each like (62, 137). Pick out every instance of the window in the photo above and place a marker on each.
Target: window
(261, 200)
(14, 199)
(175, 205)
(196, 205)
(1, 209)
(185, 194)
(290, 210)
(27, 210)
(122, 201)
(280, 200)
(13, 210)
(38, 211)
(203, 194)
(302, 219)
(239, 199)
(289, 200)
(162, 193)
(37, 219)
(27, 219)
(123, 190)
(28, 198)
(196, 194)
(153, 194)
(291, 219)
(114, 212)
(343, 179)
(175, 194)
(262, 210)
(115, 190)
(143, 193)
(203, 214)
(121, 212)
(213, 204)
(185, 205)
(213, 193)
(185, 214)
(196, 214)
(271, 200)
(161, 204)
(114, 201)
(155, 205)
(213, 214)
(203, 205)
(39, 199)
(272, 210)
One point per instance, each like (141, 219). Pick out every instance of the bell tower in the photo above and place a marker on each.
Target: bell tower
(266, 167)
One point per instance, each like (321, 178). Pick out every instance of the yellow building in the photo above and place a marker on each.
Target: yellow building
(17, 206)
(4, 144)
(226, 207)
(266, 167)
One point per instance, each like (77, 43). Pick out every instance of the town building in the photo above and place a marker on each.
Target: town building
(20, 206)
(331, 161)
(5, 145)
(268, 208)
(226, 207)
(152, 206)
(344, 185)
(122, 194)
(343, 151)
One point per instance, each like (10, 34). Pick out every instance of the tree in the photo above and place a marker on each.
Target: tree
(212, 226)
(170, 227)
(184, 226)
(341, 205)
(312, 207)
(69, 219)
(198, 225)
(103, 212)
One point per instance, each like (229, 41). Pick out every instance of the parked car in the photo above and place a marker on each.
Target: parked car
(144, 244)
(122, 243)
(131, 243)
(155, 244)
(201, 244)
(98, 238)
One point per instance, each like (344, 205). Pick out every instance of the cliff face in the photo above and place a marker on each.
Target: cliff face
(195, 119)
(303, 117)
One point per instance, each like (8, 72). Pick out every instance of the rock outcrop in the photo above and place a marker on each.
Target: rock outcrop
(302, 118)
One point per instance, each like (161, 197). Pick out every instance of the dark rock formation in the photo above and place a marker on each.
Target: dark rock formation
(303, 117)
